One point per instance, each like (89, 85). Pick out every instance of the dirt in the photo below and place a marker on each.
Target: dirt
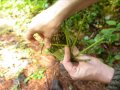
(5, 85)
(56, 72)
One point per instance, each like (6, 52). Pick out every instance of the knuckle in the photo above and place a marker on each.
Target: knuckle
(73, 76)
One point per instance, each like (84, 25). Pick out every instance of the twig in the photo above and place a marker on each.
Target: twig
(91, 46)
(54, 44)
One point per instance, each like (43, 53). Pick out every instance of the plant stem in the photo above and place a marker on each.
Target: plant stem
(91, 46)
(58, 45)
(55, 44)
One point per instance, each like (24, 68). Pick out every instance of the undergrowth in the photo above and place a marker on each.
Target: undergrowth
(95, 30)
(83, 29)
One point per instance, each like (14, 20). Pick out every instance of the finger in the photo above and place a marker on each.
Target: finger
(67, 54)
(47, 43)
(85, 57)
(30, 34)
(66, 62)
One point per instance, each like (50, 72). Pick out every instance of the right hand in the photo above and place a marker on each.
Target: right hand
(45, 24)
(93, 69)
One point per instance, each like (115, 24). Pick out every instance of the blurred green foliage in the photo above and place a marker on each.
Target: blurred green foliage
(37, 75)
(100, 25)
(83, 29)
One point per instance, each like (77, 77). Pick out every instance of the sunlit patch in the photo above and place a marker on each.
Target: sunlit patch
(6, 22)
(12, 62)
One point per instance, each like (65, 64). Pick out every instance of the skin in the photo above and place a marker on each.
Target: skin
(93, 69)
(50, 19)
(47, 23)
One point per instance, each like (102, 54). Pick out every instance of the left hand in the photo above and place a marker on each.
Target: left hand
(46, 24)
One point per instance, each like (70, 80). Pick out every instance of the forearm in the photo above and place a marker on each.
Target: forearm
(105, 74)
(64, 8)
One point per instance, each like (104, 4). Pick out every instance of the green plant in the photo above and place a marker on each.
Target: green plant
(37, 75)
(102, 15)
(15, 87)
(106, 36)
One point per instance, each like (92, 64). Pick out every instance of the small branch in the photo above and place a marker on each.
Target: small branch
(54, 44)
(91, 46)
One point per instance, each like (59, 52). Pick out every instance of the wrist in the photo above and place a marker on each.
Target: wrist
(105, 74)
(63, 9)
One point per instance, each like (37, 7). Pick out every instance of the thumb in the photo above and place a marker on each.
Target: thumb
(67, 54)
(30, 34)
(66, 62)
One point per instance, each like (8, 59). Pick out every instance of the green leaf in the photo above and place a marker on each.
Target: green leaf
(108, 35)
(59, 54)
(111, 22)
(117, 57)
(118, 26)
(15, 87)
(37, 75)
(86, 38)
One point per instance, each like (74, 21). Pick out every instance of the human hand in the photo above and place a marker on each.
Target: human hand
(45, 24)
(93, 69)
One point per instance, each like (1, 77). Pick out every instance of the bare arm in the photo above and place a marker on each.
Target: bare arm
(64, 8)
(50, 19)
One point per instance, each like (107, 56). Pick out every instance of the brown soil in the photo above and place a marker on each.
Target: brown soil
(5, 85)
(55, 72)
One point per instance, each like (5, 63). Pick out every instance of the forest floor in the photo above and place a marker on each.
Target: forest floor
(23, 67)
(17, 64)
